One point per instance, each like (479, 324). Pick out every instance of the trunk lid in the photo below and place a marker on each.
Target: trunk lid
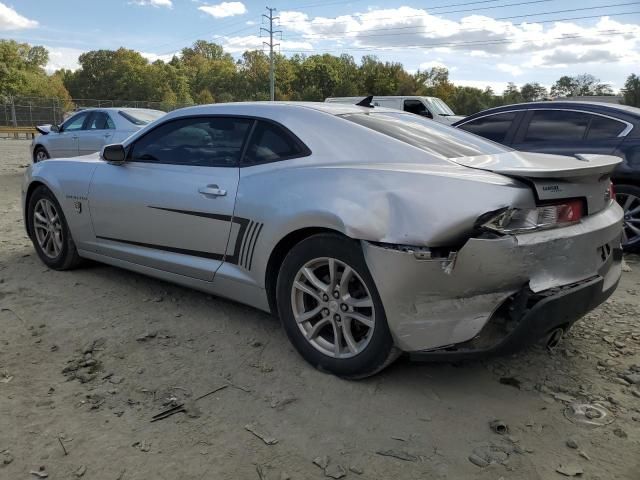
(554, 177)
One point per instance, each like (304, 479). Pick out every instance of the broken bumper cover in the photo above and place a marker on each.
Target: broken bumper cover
(436, 304)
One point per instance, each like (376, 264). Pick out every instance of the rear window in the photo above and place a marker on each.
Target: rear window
(428, 135)
(141, 117)
(603, 128)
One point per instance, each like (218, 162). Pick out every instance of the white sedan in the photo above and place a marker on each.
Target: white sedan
(89, 130)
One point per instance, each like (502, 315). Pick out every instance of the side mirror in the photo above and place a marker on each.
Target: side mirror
(55, 128)
(114, 154)
(426, 113)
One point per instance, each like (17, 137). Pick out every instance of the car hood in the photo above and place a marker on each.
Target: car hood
(451, 119)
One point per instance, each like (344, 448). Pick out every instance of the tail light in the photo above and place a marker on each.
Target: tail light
(516, 220)
(611, 193)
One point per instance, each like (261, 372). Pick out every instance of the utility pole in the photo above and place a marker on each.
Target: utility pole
(271, 31)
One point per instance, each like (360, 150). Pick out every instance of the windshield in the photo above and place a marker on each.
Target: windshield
(141, 117)
(439, 107)
(430, 136)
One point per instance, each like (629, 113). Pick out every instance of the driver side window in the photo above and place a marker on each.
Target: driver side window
(74, 123)
(201, 141)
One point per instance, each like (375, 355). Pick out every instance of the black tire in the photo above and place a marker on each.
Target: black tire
(40, 153)
(379, 352)
(624, 193)
(68, 257)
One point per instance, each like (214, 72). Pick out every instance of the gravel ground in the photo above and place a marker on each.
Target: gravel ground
(88, 357)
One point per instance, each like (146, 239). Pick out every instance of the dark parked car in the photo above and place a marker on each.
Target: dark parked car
(573, 128)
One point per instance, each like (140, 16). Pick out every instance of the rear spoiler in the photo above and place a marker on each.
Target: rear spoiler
(43, 129)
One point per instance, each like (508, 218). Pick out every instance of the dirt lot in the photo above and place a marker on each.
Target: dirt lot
(146, 345)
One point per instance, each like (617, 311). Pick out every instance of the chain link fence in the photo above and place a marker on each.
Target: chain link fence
(19, 111)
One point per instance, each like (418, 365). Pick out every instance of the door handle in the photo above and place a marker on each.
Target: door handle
(212, 191)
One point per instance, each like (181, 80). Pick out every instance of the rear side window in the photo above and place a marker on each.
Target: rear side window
(602, 128)
(271, 143)
(493, 127)
(562, 125)
(100, 121)
(427, 135)
(202, 141)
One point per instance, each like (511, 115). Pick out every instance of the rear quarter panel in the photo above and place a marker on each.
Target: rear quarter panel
(429, 205)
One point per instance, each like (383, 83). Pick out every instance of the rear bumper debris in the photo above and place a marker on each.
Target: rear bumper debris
(457, 302)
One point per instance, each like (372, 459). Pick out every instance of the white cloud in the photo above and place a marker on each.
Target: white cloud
(528, 44)
(224, 9)
(63, 57)
(254, 42)
(152, 57)
(154, 3)
(514, 70)
(497, 87)
(12, 20)
(435, 63)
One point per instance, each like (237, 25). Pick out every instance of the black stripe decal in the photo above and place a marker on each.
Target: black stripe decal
(254, 245)
(247, 244)
(215, 216)
(244, 243)
(182, 251)
(243, 247)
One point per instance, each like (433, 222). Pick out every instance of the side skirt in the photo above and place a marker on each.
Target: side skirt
(222, 286)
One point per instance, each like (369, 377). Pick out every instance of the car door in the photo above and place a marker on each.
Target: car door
(498, 127)
(64, 143)
(169, 205)
(98, 132)
(568, 132)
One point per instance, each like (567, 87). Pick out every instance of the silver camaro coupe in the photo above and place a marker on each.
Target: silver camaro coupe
(369, 232)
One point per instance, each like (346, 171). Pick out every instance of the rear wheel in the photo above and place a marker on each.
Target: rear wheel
(628, 196)
(49, 231)
(40, 154)
(331, 310)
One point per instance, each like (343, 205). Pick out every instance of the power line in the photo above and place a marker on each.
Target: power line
(517, 4)
(460, 44)
(311, 36)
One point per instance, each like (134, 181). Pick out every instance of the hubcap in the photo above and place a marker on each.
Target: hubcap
(333, 307)
(48, 228)
(631, 206)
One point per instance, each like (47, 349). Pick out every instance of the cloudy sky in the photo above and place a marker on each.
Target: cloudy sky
(481, 42)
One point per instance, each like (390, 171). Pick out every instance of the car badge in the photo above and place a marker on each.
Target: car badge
(78, 206)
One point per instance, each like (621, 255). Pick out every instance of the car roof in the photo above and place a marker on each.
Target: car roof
(598, 107)
(263, 108)
(115, 109)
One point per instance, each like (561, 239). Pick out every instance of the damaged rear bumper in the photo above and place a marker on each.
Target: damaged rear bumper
(447, 303)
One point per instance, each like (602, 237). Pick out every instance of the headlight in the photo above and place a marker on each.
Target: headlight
(516, 220)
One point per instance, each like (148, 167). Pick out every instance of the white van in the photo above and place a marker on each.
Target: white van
(430, 107)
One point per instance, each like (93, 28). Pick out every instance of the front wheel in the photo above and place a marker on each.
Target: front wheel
(331, 310)
(49, 231)
(40, 154)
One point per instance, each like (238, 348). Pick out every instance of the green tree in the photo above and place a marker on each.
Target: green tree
(631, 91)
(533, 91)
(22, 71)
(579, 86)
(511, 94)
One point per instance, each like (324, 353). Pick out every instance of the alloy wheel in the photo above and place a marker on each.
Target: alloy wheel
(333, 307)
(48, 228)
(631, 206)
(41, 155)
